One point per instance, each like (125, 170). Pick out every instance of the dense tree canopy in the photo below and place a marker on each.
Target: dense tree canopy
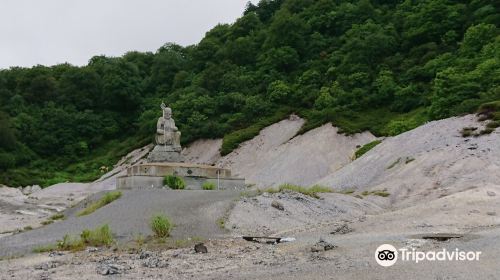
(384, 66)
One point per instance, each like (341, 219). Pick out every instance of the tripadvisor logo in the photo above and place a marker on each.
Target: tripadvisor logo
(387, 255)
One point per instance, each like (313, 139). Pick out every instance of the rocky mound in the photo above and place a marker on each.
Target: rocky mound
(288, 212)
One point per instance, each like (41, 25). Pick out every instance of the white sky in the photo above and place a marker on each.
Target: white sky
(49, 32)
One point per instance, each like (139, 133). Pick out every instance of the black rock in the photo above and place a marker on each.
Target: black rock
(200, 248)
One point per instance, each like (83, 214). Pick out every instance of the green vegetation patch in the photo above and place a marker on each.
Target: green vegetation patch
(101, 236)
(311, 191)
(232, 140)
(105, 200)
(208, 186)
(363, 150)
(98, 237)
(161, 225)
(58, 216)
(174, 182)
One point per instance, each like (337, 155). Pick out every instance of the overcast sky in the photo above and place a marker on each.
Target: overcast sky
(49, 32)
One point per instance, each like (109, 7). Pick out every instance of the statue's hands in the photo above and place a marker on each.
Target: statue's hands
(159, 131)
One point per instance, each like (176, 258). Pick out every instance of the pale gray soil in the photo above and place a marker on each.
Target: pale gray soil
(194, 214)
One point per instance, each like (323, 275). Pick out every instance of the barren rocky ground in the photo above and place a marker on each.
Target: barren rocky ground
(433, 181)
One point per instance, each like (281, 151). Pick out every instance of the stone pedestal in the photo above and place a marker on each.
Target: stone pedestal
(165, 153)
(151, 175)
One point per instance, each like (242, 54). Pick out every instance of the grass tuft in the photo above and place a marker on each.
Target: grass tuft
(363, 150)
(174, 182)
(101, 236)
(208, 186)
(105, 200)
(161, 226)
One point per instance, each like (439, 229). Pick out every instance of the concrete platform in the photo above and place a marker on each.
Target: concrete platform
(150, 175)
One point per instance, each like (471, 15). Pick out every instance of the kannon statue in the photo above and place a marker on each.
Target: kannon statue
(167, 134)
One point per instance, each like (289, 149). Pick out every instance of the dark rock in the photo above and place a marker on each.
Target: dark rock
(55, 254)
(491, 213)
(109, 269)
(278, 205)
(145, 255)
(200, 248)
(322, 245)
(490, 193)
(342, 229)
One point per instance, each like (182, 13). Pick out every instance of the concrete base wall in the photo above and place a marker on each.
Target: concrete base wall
(192, 183)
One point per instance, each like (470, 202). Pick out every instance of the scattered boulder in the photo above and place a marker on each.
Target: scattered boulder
(200, 248)
(278, 205)
(46, 266)
(31, 189)
(322, 245)
(342, 229)
(491, 213)
(109, 269)
(490, 193)
(153, 262)
(145, 255)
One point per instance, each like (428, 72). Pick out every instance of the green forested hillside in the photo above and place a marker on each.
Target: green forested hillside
(384, 66)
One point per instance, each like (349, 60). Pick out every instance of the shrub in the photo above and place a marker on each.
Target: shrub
(312, 191)
(493, 124)
(101, 236)
(487, 130)
(174, 182)
(160, 225)
(363, 150)
(468, 131)
(105, 200)
(208, 186)
(489, 108)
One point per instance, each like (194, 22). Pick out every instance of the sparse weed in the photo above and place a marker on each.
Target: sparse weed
(101, 236)
(58, 216)
(44, 249)
(208, 186)
(394, 163)
(105, 200)
(161, 226)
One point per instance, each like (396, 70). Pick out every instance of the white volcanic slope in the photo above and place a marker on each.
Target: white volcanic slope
(429, 162)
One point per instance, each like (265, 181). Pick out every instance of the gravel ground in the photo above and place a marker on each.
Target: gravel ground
(294, 212)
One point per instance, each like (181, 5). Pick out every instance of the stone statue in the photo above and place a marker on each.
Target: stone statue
(166, 131)
(167, 139)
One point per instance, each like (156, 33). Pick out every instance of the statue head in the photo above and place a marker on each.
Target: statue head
(167, 112)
